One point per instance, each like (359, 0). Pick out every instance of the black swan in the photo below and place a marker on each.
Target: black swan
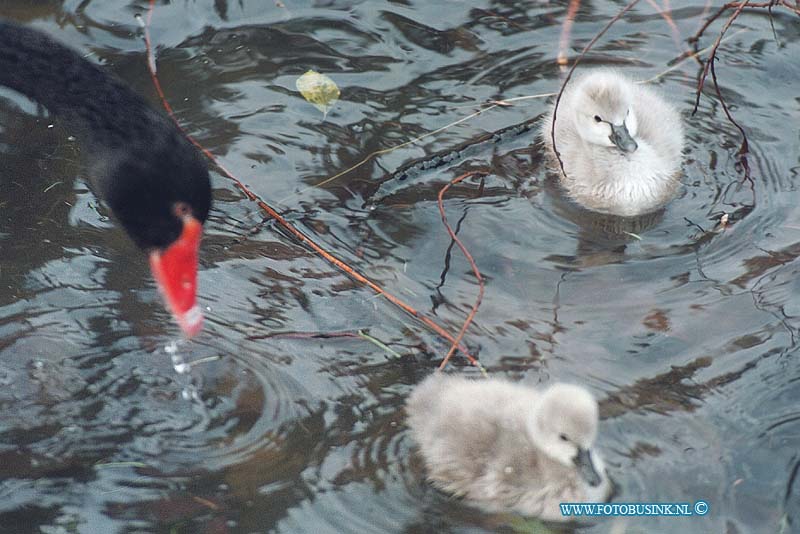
(140, 164)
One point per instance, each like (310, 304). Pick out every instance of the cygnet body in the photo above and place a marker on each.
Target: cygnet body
(506, 447)
(620, 143)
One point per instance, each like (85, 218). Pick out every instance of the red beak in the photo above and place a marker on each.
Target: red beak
(175, 271)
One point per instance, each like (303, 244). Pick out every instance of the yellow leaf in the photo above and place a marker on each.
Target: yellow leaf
(319, 90)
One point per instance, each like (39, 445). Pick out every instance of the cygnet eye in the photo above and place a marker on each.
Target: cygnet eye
(563, 437)
(597, 118)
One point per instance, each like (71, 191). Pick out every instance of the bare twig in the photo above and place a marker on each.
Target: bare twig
(772, 23)
(472, 264)
(701, 82)
(744, 148)
(664, 12)
(709, 65)
(744, 5)
(566, 28)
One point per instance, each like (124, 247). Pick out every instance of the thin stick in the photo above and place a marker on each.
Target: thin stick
(689, 55)
(472, 264)
(380, 344)
(750, 5)
(664, 12)
(745, 147)
(566, 29)
(713, 53)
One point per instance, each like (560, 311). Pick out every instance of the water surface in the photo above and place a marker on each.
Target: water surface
(687, 335)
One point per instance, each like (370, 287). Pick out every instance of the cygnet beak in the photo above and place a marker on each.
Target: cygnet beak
(622, 138)
(586, 467)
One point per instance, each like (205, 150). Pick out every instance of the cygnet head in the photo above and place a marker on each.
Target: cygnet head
(603, 111)
(564, 426)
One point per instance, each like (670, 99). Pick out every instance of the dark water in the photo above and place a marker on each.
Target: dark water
(688, 335)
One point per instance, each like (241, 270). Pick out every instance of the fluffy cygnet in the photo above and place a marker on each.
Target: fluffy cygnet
(506, 447)
(620, 143)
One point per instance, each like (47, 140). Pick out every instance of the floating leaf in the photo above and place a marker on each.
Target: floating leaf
(319, 90)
